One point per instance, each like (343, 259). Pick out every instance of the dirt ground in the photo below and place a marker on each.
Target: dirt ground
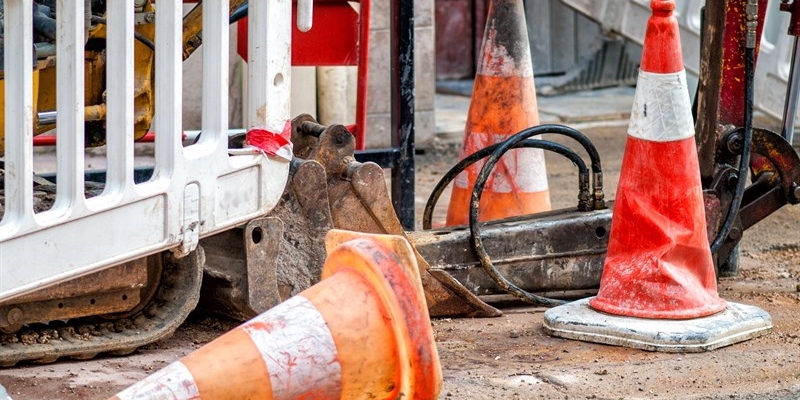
(510, 357)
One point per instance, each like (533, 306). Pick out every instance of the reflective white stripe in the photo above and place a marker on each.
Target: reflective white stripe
(173, 382)
(299, 351)
(521, 170)
(524, 171)
(661, 110)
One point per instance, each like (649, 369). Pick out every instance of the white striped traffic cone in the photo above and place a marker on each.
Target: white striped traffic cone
(503, 103)
(363, 332)
(658, 290)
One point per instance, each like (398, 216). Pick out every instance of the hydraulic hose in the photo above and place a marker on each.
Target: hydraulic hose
(138, 36)
(44, 25)
(240, 13)
(462, 165)
(576, 135)
(475, 226)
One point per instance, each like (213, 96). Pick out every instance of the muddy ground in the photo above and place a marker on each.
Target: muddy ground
(510, 357)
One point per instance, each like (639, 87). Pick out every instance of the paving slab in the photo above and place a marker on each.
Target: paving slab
(579, 108)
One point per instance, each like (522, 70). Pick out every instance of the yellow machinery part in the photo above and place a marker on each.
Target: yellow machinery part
(3, 107)
(95, 71)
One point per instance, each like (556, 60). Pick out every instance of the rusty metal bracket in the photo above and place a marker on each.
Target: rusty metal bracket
(776, 182)
(261, 238)
(360, 202)
(240, 273)
(556, 251)
(780, 177)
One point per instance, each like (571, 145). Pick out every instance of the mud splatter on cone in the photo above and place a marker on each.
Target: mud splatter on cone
(503, 103)
(363, 332)
(659, 262)
(658, 290)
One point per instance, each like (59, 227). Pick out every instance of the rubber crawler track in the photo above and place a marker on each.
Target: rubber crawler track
(85, 338)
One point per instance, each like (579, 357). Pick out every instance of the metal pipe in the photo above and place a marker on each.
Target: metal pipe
(44, 25)
(90, 113)
(790, 106)
(44, 49)
(47, 117)
(94, 113)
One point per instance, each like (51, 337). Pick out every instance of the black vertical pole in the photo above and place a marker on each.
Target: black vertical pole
(402, 99)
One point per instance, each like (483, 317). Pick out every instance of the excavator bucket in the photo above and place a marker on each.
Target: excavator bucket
(327, 189)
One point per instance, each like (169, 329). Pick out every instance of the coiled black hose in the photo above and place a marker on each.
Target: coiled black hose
(492, 154)
(474, 211)
(576, 135)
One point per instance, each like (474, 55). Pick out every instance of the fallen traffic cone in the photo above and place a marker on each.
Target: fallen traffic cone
(659, 264)
(503, 103)
(363, 332)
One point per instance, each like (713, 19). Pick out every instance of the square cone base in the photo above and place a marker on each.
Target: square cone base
(738, 322)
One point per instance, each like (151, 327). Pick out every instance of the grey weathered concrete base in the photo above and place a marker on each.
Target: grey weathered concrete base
(737, 323)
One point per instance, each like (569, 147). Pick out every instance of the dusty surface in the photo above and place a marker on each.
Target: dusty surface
(510, 357)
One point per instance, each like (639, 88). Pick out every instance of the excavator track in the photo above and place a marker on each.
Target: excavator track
(176, 295)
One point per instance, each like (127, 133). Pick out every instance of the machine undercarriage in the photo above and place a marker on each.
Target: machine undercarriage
(247, 270)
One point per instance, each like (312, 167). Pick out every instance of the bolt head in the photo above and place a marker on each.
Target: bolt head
(795, 193)
(14, 316)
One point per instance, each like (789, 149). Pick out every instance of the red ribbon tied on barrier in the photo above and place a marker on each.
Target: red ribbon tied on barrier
(272, 143)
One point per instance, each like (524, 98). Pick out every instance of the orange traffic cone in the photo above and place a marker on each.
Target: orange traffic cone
(659, 261)
(362, 332)
(503, 103)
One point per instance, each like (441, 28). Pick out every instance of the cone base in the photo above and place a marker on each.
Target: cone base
(738, 322)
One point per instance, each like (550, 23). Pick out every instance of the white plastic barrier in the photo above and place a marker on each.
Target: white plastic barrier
(629, 18)
(195, 191)
(774, 61)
